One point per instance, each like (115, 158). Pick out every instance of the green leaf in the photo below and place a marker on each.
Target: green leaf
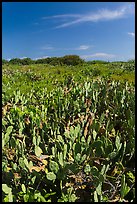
(65, 151)
(26, 197)
(89, 139)
(103, 169)
(3, 143)
(94, 171)
(60, 139)
(101, 177)
(9, 130)
(131, 176)
(49, 194)
(42, 199)
(117, 142)
(33, 179)
(6, 136)
(123, 149)
(21, 163)
(99, 189)
(102, 117)
(15, 166)
(23, 188)
(95, 196)
(108, 149)
(30, 164)
(6, 189)
(94, 134)
(37, 195)
(13, 142)
(112, 155)
(34, 140)
(51, 176)
(10, 197)
(53, 151)
(60, 157)
(124, 188)
(83, 139)
(38, 151)
(83, 158)
(99, 151)
(78, 157)
(77, 148)
(54, 166)
(97, 144)
(87, 169)
(26, 163)
(72, 198)
(38, 140)
(97, 126)
(6, 199)
(127, 189)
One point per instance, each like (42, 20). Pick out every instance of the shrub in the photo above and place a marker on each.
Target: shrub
(72, 60)
(4, 61)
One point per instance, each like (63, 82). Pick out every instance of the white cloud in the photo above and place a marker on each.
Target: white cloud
(40, 57)
(8, 59)
(23, 57)
(100, 15)
(131, 34)
(83, 47)
(101, 55)
(62, 16)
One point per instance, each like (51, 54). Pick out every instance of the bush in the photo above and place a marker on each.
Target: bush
(96, 72)
(4, 61)
(67, 60)
(26, 61)
(97, 62)
(15, 61)
(72, 60)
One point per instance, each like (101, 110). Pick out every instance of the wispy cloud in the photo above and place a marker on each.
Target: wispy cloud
(43, 57)
(100, 15)
(23, 57)
(62, 16)
(83, 47)
(131, 34)
(8, 59)
(101, 55)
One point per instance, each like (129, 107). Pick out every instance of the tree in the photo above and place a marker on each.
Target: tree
(97, 62)
(72, 60)
(4, 61)
(26, 61)
(15, 61)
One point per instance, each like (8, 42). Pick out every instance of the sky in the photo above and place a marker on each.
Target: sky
(92, 30)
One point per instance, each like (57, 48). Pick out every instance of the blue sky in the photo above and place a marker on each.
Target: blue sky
(92, 30)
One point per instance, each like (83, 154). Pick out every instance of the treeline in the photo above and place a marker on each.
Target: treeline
(65, 60)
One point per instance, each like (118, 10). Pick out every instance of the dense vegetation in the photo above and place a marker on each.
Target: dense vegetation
(68, 132)
(67, 60)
